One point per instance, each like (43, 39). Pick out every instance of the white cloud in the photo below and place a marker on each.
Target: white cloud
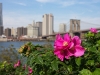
(67, 3)
(45, 1)
(70, 2)
(73, 2)
(23, 4)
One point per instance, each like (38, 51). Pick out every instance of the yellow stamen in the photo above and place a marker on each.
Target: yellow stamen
(65, 43)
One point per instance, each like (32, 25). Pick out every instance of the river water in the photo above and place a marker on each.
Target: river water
(17, 44)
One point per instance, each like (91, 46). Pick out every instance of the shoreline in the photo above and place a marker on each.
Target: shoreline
(7, 40)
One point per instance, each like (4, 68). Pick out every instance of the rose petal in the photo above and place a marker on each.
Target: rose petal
(67, 37)
(76, 40)
(79, 51)
(59, 54)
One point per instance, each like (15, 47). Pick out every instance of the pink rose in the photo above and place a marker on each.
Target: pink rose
(66, 47)
(93, 30)
(17, 64)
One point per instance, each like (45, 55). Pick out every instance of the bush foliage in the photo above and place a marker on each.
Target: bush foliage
(41, 60)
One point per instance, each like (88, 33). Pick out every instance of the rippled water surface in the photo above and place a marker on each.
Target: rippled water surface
(17, 44)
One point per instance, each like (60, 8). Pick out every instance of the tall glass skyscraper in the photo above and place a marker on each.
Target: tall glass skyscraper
(1, 20)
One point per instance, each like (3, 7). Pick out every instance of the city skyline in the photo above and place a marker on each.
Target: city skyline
(18, 13)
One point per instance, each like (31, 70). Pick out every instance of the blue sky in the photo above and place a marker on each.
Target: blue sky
(22, 12)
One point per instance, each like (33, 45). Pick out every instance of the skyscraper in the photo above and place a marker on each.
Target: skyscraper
(21, 31)
(1, 20)
(39, 24)
(8, 32)
(62, 28)
(47, 26)
(13, 32)
(32, 31)
(1, 30)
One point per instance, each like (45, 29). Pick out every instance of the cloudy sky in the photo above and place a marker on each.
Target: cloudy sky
(22, 12)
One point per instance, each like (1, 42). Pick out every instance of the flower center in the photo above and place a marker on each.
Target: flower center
(65, 43)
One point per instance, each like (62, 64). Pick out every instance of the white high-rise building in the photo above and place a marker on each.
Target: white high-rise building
(47, 26)
(13, 32)
(32, 31)
(62, 28)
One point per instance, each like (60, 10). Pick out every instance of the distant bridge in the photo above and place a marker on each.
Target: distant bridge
(79, 33)
(73, 30)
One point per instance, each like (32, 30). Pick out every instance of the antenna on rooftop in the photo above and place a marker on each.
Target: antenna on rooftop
(33, 22)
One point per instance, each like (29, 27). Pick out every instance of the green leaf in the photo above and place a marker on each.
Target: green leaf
(92, 49)
(85, 72)
(90, 62)
(54, 65)
(41, 72)
(98, 56)
(78, 61)
(98, 42)
(97, 72)
(40, 59)
(69, 68)
(62, 63)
